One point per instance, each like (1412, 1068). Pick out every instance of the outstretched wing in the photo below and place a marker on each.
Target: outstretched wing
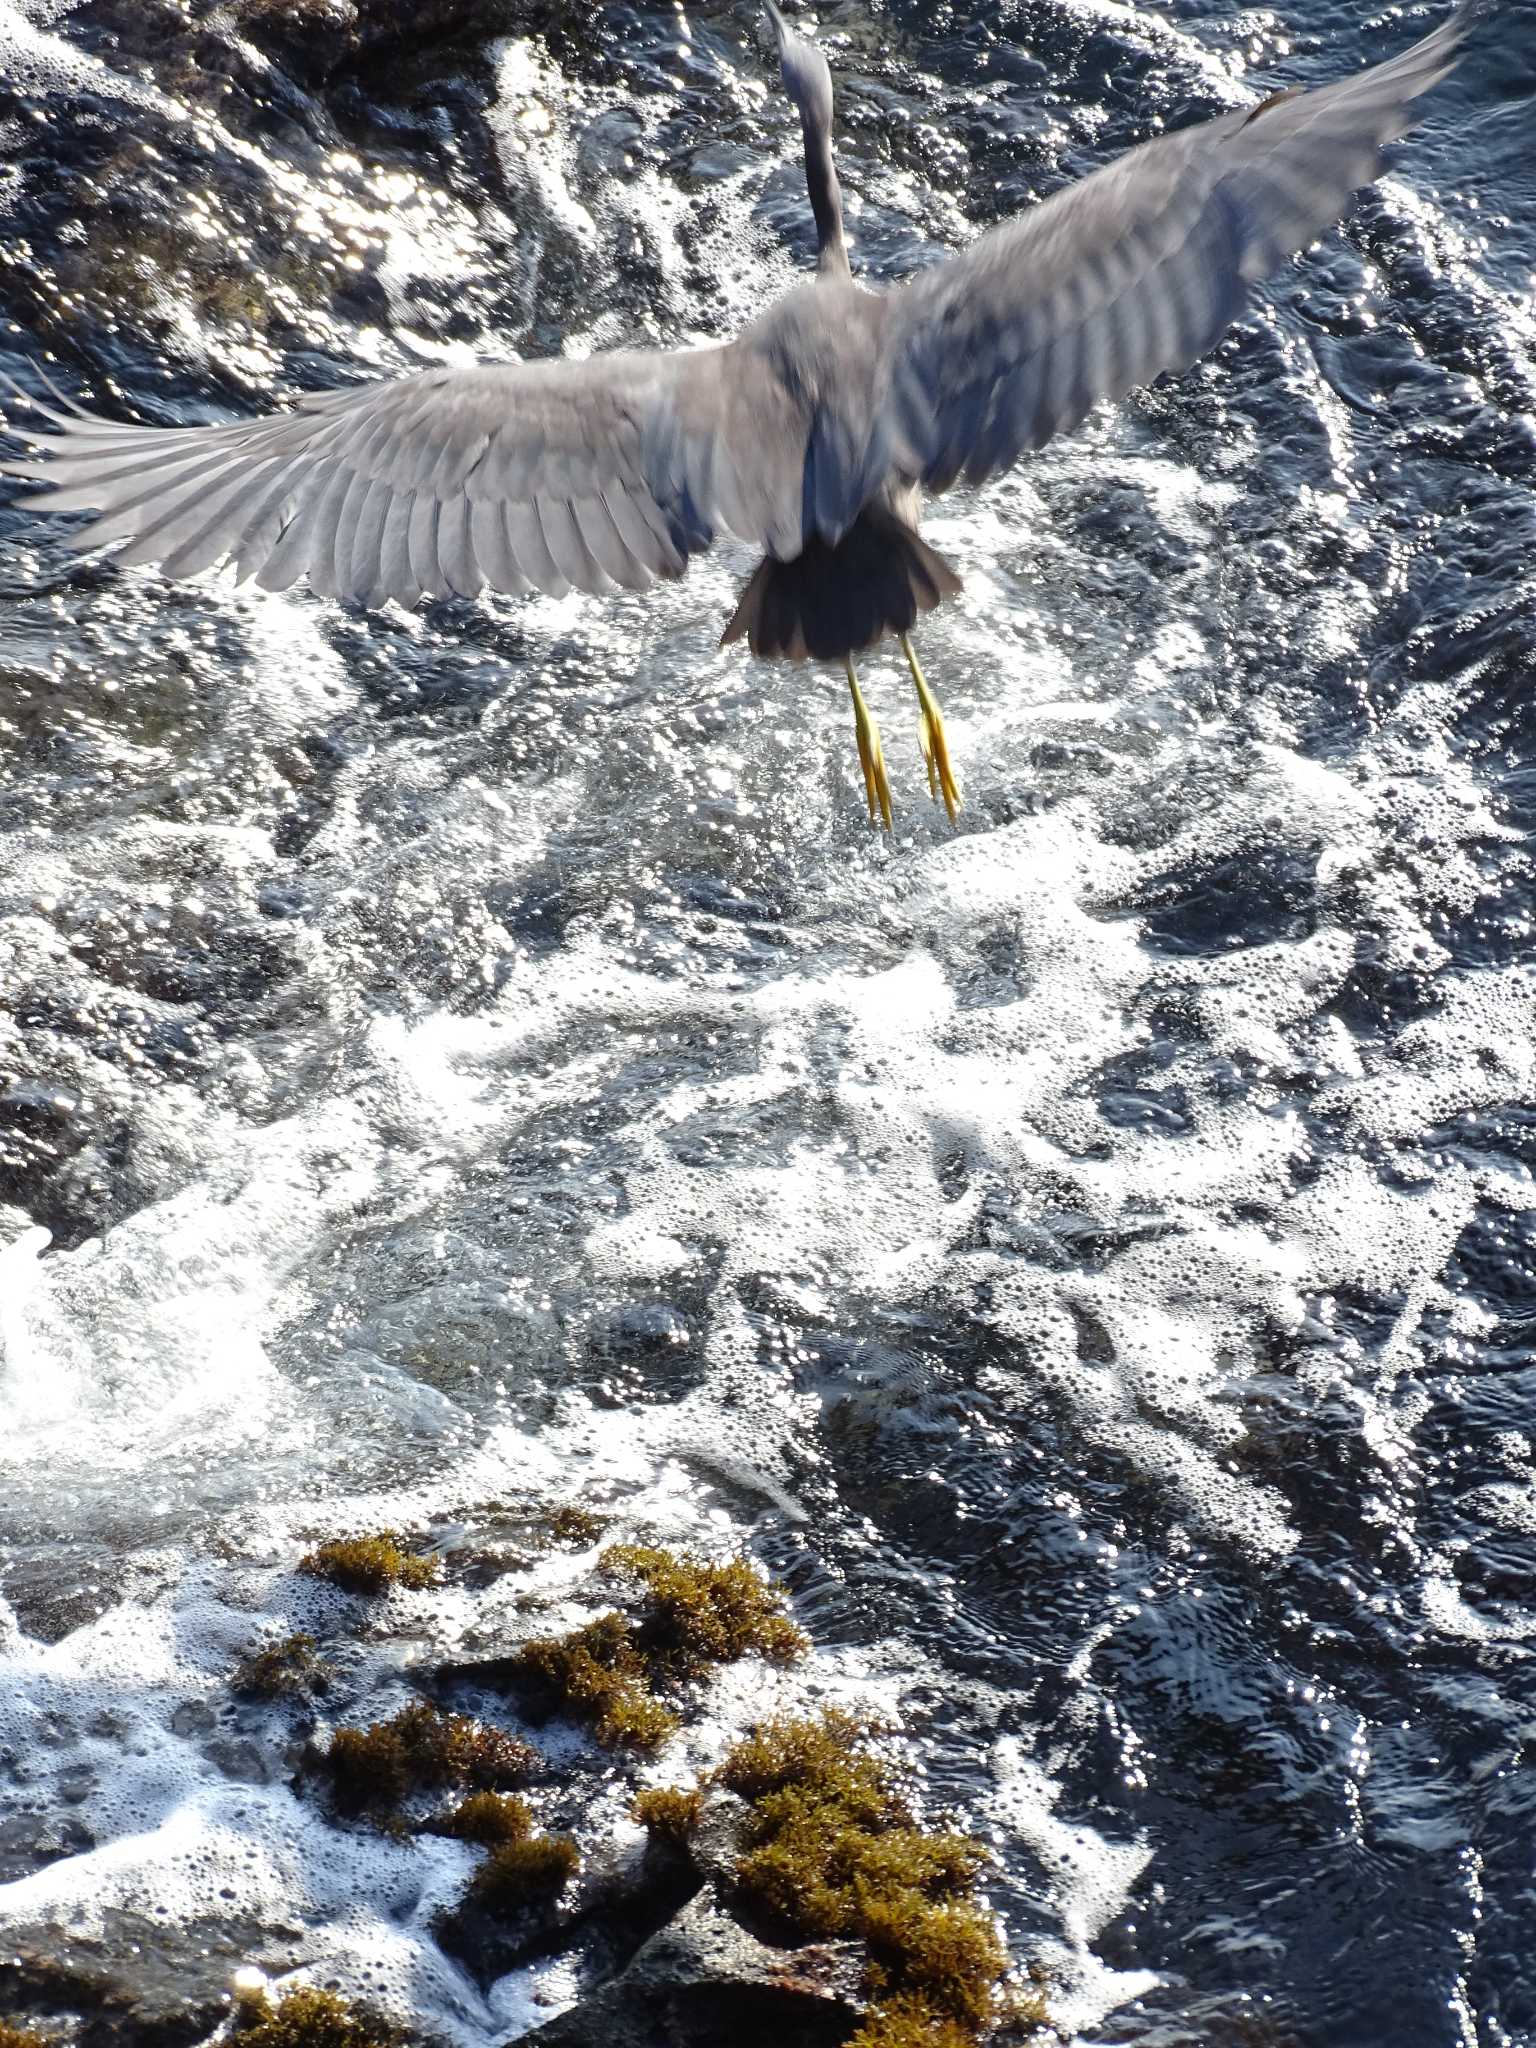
(611, 471)
(1136, 270)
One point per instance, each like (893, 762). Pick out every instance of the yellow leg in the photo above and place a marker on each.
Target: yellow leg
(877, 788)
(930, 732)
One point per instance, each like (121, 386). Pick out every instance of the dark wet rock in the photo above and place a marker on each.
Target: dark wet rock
(712, 1850)
(478, 1565)
(314, 40)
(387, 25)
(29, 1841)
(138, 1983)
(58, 1588)
(640, 1329)
(609, 1913)
(488, 1943)
(322, 40)
(610, 146)
(246, 1761)
(703, 1980)
(34, 1105)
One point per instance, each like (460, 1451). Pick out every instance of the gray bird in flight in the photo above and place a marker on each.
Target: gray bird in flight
(810, 436)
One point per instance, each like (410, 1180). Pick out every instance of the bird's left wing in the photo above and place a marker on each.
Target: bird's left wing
(596, 473)
(1136, 270)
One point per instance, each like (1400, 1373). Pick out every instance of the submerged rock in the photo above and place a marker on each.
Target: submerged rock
(703, 1980)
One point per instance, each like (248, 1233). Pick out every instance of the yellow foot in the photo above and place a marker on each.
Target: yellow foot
(877, 788)
(930, 733)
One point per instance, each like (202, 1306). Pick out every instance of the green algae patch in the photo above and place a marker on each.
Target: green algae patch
(524, 1868)
(598, 1675)
(290, 1669)
(304, 2017)
(370, 1564)
(908, 2023)
(573, 1526)
(423, 1749)
(670, 1814)
(944, 1957)
(488, 1819)
(694, 1615)
(830, 1849)
(690, 1617)
(524, 1874)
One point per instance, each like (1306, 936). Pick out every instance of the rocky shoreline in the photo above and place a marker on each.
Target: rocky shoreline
(792, 1894)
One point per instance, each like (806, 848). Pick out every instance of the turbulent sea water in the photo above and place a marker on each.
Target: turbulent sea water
(1087, 1254)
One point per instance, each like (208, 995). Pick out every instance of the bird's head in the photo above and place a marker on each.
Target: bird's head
(806, 77)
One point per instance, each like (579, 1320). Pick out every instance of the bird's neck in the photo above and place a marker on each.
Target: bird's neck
(826, 204)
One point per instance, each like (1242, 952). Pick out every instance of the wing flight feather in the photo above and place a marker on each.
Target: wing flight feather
(1137, 269)
(594, 474)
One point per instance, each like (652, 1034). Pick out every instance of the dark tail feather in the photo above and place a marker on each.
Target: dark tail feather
(838, 598)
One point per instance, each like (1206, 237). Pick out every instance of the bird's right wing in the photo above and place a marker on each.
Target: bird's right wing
(1136, 270)
(595, 473)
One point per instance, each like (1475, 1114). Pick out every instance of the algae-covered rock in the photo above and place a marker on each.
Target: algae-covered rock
(618, 1672)
(423, 1749)
(370, 1564)
(826, 1911)
(597, 1674)
(307, 2017)
(289, 1669)
(670, 1814)
(704, 1981)
(513, 1898)
(831, 1847)
(513, 1904)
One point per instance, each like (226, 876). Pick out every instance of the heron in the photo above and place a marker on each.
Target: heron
(813, 436)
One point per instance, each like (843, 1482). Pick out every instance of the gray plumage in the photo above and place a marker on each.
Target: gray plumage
(810, 436)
